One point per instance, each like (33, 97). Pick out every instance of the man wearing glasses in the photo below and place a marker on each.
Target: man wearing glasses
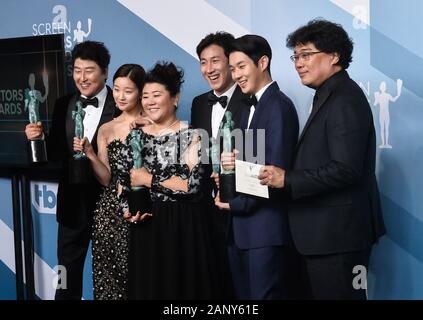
(335, 216)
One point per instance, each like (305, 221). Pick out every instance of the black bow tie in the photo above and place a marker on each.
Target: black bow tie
(251, 101)
(89, 102)
(212, 99)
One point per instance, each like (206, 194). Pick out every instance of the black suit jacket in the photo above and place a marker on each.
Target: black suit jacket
(75, 203)
(201, 114)
(336, 206)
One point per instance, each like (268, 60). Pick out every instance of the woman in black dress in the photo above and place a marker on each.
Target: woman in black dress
(110, 233)
(171, 254)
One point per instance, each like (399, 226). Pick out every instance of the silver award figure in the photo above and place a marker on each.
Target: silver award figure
(80, 171)
(139, 196)
(33, 97)
(78, 116)
(214, 155)
(227, 177)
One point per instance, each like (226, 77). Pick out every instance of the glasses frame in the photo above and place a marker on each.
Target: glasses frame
(305, 56)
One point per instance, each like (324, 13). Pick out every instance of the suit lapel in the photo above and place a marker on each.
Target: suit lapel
(315, 110)
(262, 102)
(207, 115)
(324, 92)
(235, 104)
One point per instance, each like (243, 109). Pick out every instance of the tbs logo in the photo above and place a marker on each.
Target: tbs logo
(44, 196)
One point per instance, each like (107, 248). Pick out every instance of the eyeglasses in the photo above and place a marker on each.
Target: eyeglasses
(304, 56)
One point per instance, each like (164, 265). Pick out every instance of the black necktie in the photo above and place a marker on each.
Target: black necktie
(212, 99)
(89, 102)
(251, 100)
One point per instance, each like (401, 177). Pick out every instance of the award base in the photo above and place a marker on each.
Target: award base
(139, 200)
(227, 187)
(37, 151)
(79, 171)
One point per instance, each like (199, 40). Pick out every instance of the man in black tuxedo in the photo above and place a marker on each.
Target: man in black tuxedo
(209, 108)
(76, 202)
(335, 216)
(207, 113)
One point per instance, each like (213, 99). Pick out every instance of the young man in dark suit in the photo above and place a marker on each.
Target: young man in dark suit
(76, 202)
(258, 248)
(335, 215)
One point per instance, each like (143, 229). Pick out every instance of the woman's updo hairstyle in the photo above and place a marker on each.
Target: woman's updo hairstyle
(167, 74)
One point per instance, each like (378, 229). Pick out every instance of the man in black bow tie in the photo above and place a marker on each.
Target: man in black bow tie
(76, 202)
(212, 99)
(209, 108)
(89, 102)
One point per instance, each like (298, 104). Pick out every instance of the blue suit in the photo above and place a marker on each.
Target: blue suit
(260, 231)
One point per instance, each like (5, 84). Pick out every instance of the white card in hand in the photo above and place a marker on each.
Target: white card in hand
(246, 179)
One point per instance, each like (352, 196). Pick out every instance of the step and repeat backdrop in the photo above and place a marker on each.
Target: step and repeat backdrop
(388, 64)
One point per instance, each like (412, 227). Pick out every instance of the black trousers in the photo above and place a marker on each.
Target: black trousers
(72, 247)
(336, 276)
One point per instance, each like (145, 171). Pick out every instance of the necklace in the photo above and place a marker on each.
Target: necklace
(163, 131)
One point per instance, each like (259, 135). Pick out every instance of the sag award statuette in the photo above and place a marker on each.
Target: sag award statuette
(79, 166)
(227, 177)
(139, 197)
(37, 147)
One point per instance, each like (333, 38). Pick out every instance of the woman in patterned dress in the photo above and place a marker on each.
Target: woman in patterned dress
(171, 251)
(110, 235)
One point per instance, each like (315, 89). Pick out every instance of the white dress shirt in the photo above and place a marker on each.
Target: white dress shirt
(218, 112)
(93, 114)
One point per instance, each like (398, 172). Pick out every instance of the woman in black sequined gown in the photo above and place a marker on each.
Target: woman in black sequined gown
(110, 235)
(172, 255)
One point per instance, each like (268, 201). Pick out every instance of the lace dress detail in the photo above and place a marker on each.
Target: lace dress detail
(164, 157)
(172, 254)
(110, 241)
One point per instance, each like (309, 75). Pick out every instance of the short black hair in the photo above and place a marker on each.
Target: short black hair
(254, 47)
(92, 50)
(221, 38)
(327, 36)
(167, 74)
(134, 72)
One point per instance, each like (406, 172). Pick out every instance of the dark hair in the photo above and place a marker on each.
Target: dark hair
(254, 47)
(92, 50)
(167, 74)
(134, 72)
(326, 36)
(221, 38)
